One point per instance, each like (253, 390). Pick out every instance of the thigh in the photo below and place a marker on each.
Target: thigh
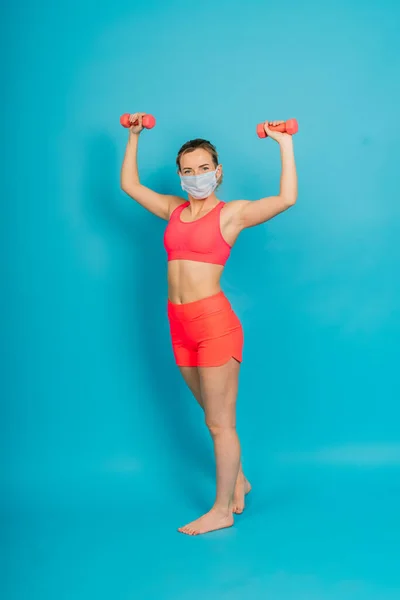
(185, 353)
(219, 387)
(221, 339)
(192, 379)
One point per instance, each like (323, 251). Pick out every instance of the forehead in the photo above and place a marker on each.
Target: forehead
(195, 158)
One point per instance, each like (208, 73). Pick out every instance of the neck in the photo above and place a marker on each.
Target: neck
(199, 206)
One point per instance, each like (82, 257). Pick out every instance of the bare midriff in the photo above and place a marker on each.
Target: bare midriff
(189, 280)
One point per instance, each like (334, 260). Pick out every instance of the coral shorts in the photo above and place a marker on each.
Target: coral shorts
(205, 333)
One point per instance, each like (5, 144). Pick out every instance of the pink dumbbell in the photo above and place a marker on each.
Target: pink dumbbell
(291, 126)
(148, 121)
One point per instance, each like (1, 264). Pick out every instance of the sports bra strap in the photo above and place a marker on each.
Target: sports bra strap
(178, 209)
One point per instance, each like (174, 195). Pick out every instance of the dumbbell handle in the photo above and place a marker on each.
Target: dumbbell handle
(148, 121)
(291, 126)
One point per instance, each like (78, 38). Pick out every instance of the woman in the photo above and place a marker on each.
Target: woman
(207, 337)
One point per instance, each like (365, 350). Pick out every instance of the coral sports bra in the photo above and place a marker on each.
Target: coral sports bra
(199, 240)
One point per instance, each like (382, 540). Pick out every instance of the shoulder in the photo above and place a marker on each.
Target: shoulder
(232, 210)
(234, 206)
(176, 202)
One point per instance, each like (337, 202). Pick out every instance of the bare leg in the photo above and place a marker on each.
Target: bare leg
(218, 387)
(191, 376)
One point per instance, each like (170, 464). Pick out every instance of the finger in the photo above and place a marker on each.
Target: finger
(134, 117)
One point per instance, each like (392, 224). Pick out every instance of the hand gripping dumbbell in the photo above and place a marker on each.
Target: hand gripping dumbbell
(291, 126)
(148, 121)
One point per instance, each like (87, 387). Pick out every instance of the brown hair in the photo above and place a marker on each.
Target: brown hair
(194, 145)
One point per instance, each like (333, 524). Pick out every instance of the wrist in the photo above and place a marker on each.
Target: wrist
(133, 137)
(286, 141)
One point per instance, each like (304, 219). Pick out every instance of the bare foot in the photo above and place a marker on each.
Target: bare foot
(211, 521)
(242, 488)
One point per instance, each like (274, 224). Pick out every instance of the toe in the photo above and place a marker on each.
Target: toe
(183, 529)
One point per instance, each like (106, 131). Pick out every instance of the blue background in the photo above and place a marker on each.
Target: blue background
(104, 452)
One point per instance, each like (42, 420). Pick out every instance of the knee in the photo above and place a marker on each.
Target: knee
(218, 429)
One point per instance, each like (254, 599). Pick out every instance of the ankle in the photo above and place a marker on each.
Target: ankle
(222, 509)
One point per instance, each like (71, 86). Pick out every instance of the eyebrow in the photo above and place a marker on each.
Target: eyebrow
(200, 166)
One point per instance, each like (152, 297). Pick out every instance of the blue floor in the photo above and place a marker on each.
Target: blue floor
(307, 534)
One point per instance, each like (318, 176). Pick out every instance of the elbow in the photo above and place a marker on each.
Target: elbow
(127, 186)
(290, 200)
(122, 182)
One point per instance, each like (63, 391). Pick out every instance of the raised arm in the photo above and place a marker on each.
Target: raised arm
(251, 213)
(159, 204)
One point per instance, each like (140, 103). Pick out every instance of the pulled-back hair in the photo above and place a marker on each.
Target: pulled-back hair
(194, 145)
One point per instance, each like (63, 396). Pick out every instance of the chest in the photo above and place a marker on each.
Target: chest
(201, 236)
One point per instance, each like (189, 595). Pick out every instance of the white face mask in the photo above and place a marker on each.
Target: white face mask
(200, 186)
